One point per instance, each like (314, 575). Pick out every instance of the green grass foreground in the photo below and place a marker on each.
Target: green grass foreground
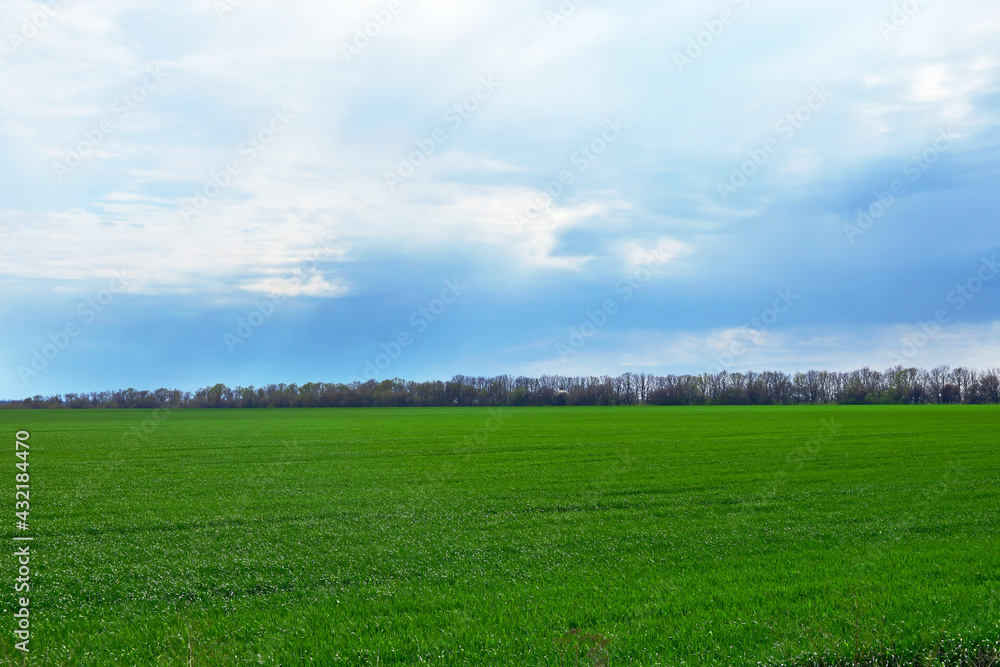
(540, 536)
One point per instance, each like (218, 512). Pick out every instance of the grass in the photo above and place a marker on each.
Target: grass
(563, 536)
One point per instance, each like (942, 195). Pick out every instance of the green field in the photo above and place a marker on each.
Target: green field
(547, 536)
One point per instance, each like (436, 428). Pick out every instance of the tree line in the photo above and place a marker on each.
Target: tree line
(941, 385)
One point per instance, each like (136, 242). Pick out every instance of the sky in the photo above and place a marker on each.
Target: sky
(254, 192)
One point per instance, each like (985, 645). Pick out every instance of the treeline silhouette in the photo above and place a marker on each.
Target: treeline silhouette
(899, 385)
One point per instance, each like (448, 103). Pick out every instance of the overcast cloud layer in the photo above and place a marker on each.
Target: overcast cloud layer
(198, 191)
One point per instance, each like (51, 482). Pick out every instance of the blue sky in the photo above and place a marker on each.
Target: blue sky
(250, 192)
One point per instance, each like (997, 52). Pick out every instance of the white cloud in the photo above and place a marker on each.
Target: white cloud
(324, 176)
(316, 286)
(663, 252)
(790, 350)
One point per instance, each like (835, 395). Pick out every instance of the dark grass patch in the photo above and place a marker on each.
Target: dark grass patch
(954, 653)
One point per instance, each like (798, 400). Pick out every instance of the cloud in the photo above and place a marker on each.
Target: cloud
(316, 286)
(664, 251)
(790, 350)
(482, 199)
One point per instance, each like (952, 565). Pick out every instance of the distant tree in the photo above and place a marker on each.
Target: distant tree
(938, 378)
(989, 386)
(951, 393)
